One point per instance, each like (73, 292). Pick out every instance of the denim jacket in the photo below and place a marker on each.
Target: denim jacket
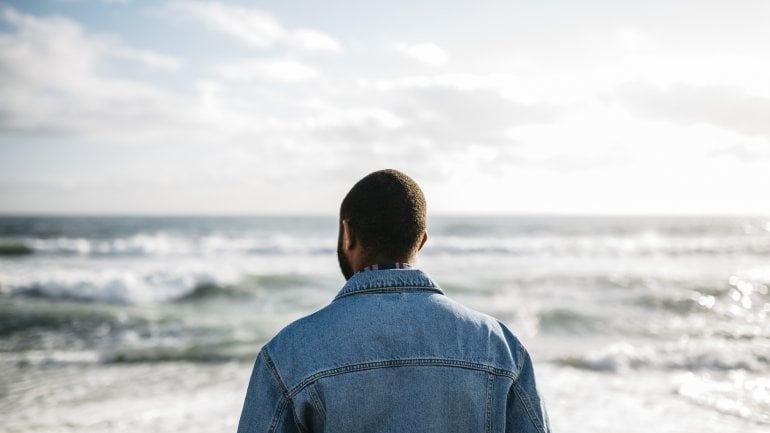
(392, 353)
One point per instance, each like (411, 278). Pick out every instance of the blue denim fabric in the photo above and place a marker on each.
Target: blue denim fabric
(392, 353)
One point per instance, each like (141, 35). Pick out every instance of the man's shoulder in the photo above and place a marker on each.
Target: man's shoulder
(302, 331)
(369, 328)
(330, 318)
(464, 312)
(496, 328)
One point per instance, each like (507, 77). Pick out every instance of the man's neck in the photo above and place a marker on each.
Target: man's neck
(387, 265)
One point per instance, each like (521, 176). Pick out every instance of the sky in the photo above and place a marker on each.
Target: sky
(277, 107)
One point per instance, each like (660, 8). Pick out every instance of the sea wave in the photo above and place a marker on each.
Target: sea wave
(163, 244)
(642, 244)
(563, 320)
(247, 286)
(708, 355)
(207, 291)
(78, 319)
(127, 334)
(124, 284)
(220, 351)
(10, 249)
(114, 286)
(26, 326)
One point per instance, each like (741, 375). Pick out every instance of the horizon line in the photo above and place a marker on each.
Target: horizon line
(521, 214)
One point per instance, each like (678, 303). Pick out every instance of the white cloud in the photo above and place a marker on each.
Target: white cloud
(149, 59)
(285, 70)
(253, 27)
(52, 82)
(726, 107)
(312, 40)
(428, 53)
(331, 116)
(454, 80)
(250, 26)
(635, 41)
(425, 128)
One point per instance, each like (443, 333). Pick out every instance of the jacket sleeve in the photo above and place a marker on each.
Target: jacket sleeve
(525, 411)
(267, 408)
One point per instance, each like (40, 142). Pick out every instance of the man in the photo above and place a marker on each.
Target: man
(391, 353)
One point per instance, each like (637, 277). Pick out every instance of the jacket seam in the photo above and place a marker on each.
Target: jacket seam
(527, 403)
(314, 397)
(390, 290)
(414, 362)
(277, 416)
(286, 399)
(274, 372)
(490, 383)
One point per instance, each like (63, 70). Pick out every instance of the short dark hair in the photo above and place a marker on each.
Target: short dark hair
(386, 211)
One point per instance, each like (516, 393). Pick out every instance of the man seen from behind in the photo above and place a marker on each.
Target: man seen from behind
(391, 352)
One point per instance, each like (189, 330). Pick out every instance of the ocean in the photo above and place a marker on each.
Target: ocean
(635, 324)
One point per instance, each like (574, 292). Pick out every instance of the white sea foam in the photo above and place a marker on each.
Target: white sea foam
(164, 245)
(684, 355)
(648, 243)
(736, 393)
(115, 282)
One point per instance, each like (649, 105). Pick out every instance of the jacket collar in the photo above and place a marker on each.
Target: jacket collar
(389, 280)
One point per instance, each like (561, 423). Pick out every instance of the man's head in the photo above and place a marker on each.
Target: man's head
(382, 219)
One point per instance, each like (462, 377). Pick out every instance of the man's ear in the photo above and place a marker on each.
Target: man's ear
(348, 237)
(424, 239)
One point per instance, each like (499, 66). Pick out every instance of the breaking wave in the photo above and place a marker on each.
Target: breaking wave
(690, 357)
(163, 244)
(10, 249)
